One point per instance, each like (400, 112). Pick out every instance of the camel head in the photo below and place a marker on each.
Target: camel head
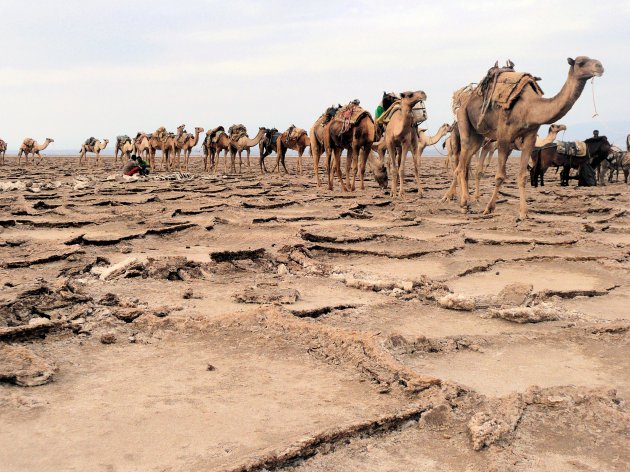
(557, 128)
(411, 98)
(379, 170)
(180, 128)
(50, 140)
(583, 67)
(198, 129)
(106, 142)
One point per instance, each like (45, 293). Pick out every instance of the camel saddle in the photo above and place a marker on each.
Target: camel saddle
(123, 139)
(90, 141)
(161, 134)
(29, 142)
(237, 132)
(291, 136)
(508, 86)
(216, 133)
(350, 115)
(571, 148)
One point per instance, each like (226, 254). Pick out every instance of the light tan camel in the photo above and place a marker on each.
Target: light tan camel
(357, 138)
(293, 138)
(244, 143)
(166, 144)
(401, 137)
(3, 149)
(141, 146)
(96, 148)
(124, 146)
(186, 144)
(477, 120)
(223, 143)
(30, 146)
(488, 148)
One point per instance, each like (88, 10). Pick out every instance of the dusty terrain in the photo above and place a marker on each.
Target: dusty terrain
(192, 322)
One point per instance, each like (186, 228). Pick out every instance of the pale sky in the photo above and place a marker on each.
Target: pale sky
(73, 69)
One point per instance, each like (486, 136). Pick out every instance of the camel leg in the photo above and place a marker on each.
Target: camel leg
(504, 151)
(329, 169)
(526, 152)
(248, 165)
(299, 162)
(315, 155)
(284, 156)
(401, 169)
(393, 167)
(363, 157)
(479, 173)
(416, 167)
(337, 164)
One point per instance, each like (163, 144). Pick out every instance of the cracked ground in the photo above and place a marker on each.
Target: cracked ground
(239, 323)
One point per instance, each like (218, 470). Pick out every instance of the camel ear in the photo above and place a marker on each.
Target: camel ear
(571, 61)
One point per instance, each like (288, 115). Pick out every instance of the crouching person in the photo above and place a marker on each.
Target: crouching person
(135, 165)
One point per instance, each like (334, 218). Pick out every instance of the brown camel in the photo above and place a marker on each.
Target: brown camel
(96, 147)
(243, 143)
(186, 144)
(30, 146)
(483, 118)
(266, 146)
(352, 129)
(3, 149)
(166, 143)
(125, 146)
(293, 138)
(316, 136)
(400, 137)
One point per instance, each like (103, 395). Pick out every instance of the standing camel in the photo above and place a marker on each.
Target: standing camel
(94, 146)
(293, 138)
(243, 143)
(401, 137)
(3, 149)
(479, 118)
(166, 143)
(124, 146)
(186, 144)
(141, 146)
(266, 146)
(352, 129)
(30, 146)
(423, 142)
(316, 136)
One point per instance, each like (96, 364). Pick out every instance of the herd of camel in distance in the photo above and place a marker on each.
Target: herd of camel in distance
(501, 113)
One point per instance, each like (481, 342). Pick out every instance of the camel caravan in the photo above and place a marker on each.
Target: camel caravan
(501, 113)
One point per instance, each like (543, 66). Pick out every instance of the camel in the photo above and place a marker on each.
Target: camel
(30, 146)
(166, 143)
(423, 141)
(244, 143)
(547, 156)
(141, 146)
(266, 146)
(357, 138)
(3, 149)
(522, 119)
(400, 137)
(293, 138)
(186, 144)
(316, 135)
(125, 146)
(96, 147)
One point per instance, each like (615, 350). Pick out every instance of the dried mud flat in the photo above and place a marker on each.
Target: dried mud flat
(238, 323)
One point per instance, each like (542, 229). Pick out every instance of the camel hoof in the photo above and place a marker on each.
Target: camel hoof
(488, 210)
(522, 217)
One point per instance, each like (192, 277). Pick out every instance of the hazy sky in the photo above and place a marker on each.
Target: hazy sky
(75, 69)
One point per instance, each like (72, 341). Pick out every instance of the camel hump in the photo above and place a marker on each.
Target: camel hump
(572, 148)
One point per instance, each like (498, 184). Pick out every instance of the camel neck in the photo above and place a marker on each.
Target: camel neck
(550, 110)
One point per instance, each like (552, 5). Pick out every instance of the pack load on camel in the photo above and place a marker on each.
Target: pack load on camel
(328, 115)
(350, 115)
(291, 136)
(90, 141)
(216, 133)
(572, 148)
(123, 139)
(29, 143)
(237, 132)
(503, 85)
(419, 111)
(161, 134)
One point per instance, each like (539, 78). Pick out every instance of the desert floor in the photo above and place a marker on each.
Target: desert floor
(196, 322)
